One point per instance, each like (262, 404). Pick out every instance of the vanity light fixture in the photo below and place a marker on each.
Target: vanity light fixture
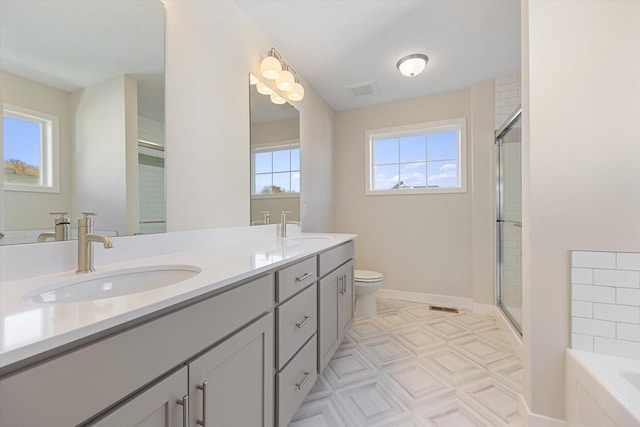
(296, 93)
(277, 99)
(253, 79)
(271, 65)
(285, 80)
(412, 65)
(263, 88)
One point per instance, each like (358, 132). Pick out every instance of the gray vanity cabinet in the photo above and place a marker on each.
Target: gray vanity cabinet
(232, 384)
(335, 300)
(160, 405)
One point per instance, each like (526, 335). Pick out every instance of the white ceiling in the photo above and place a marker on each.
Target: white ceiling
(335, 43)
(74, 44)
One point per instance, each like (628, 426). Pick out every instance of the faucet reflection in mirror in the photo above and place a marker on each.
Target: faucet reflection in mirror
(62, 228)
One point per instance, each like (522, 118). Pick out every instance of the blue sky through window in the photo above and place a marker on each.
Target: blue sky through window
(21, 140)
(418, 161)
(277, 171)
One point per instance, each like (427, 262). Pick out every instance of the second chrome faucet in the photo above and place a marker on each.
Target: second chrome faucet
(284, 222)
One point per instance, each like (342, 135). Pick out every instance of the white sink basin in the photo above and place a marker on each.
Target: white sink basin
(86, 287)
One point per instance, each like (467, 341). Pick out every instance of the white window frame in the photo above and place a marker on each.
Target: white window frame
(49, 149)
(282, 145)
(459, 125)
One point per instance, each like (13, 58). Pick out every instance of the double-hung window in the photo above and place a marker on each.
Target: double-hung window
(276, 170)
(425, 158)
(30, 150)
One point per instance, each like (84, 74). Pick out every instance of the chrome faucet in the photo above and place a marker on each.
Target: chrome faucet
(284, 222)
(85, 238)
(62, 228)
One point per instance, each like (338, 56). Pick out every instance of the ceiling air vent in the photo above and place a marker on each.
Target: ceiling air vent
(362, 89)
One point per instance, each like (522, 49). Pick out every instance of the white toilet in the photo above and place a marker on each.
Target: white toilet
(366, 284)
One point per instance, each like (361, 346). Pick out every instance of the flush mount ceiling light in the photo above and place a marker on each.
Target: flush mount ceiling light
(412, 65)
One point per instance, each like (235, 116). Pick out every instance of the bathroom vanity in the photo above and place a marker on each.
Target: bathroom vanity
(239, 344)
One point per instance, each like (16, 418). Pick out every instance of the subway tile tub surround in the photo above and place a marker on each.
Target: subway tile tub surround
(605, 303)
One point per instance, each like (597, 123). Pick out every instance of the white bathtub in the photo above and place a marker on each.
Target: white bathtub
(602, 390)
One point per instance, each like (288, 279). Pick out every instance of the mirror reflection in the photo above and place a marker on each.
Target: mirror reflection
(275, 159)
(83, 117)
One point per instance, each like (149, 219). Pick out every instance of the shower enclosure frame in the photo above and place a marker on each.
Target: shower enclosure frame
(500, 220)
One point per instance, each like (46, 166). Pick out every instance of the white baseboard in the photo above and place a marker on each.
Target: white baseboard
(535, 420)
(432, 299)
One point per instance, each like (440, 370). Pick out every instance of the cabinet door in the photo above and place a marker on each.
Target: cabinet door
(156, 406)
(346, 298)
(328, 325)
(232, 384)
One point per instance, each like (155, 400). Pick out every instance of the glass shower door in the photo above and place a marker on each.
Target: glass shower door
(509, 220)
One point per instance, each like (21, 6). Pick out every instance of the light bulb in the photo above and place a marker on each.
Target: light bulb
(412, 65)
(253, 79)
(285, 81)
(270, 67)
(277, 99)
(296, 93)
(263, 88)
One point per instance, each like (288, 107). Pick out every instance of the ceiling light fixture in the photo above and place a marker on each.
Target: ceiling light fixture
(412, 65)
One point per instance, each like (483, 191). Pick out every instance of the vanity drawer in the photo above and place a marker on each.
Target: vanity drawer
(294, 382)
(297, 321)
(291, 280)
(334, 258)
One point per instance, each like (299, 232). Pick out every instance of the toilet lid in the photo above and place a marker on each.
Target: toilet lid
(367, 276)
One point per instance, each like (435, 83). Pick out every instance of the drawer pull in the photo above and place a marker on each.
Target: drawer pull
(340, 286)
(184, 402)
(203, 387)
(304, 380)
(306, 319)
(304, 276)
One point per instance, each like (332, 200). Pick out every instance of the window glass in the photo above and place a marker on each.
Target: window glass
(427, 158)
(22, 146)
(276, 170)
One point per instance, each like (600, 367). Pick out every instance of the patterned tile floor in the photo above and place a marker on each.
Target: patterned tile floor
(413, 367)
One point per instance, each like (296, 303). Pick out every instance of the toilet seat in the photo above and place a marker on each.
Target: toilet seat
(367, 276)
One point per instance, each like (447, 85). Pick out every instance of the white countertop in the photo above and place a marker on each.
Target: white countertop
(31, 329)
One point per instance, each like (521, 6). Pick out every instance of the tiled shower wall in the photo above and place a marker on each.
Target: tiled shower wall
(605, 303)
(507, 99)
(151, 177)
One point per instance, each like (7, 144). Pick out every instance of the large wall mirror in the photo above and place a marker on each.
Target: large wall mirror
(83, 116)
(275, 158)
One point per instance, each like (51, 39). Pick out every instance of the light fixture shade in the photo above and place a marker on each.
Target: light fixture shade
(296, 93)
(412, 65)
(253, 79)
(277, 99)
(263, 89)
(270, 67)
(285, 80)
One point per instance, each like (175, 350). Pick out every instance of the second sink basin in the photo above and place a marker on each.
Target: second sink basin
(110, 284)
